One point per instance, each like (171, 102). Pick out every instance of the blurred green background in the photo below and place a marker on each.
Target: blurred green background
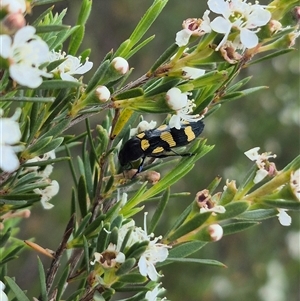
(263, 262)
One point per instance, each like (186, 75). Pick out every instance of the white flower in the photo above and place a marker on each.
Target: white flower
(25, 54)
(43, 172)
(120, 65)
(264, 166)
(153, 295)
(142, 127)
(238, 15)
(183, 106)
(71, 66)
(3, 296)
(155, 252)
(193, 27)
(47, 194)
(13, 6)
(215, 231)
(10, 134)
(103, 93)
(284, 218)
(110, 257)
(295, 183)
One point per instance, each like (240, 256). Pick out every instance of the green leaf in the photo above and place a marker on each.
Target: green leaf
(50, 28)
(43, 2)
(62, 282)
(239, 94)
(42, 279)
(19, 294)
(133, 278)
(98, 76)
(126, 266)
(97, 223)
(291, 205)
(270, 56)
(103, 238)
(182, 250)
(197, 260)
(258, 214)
(4, 236)
(136, 92)
(137, 249)
(82, 196)
(159, 211)
(27, 99)
(233, 209)
(164, 57)
(83, 224)
(237, 227)
(57, 84)
(140, 46)
(189, 226)
(76, 40)
(151, 14)
(180, 219)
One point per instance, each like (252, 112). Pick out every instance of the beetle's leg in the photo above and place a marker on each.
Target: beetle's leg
(140, 167)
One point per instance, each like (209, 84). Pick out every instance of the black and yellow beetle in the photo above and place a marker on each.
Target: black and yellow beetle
(157, 143)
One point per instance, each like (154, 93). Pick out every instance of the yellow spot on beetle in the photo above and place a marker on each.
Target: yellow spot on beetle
(141, 135)
(144, 144)
(167, 137)
(163, 127)
(158, 150)
(189, 133)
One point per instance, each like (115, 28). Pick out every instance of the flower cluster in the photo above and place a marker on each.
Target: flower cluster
(155, 252)
(239, 22)
(24, 54)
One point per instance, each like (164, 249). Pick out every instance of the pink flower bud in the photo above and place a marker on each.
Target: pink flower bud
(120, 64)
(215, 231)
(12, 23)
(103, 93)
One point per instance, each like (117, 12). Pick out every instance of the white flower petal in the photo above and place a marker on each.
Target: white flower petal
(9, 161)
(193, 73)
(218, 6)
(23, 35)
(248, 38)
(260, 175)
(5, 43)
(26, 75)
(87, 66)
(284, 218)
(252, 153)
(221, 25)
(175, 122)
(9, 131)
(259, 16)
(183, 37)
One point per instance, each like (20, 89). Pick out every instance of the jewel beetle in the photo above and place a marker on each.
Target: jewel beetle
(158, 143)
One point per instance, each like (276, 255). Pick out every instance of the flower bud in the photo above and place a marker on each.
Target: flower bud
(120, 65)
(103, 93)
(12, 23)
(152, 176)
(215, 232)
